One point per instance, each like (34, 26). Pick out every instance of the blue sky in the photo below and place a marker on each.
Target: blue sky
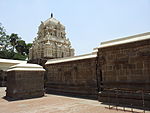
(88, 22)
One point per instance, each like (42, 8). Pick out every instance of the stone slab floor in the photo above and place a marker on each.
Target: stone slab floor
(54, 104)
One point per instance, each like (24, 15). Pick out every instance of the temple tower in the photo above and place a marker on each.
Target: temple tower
(51, 42)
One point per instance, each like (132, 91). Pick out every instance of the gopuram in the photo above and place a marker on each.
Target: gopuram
(50, 43)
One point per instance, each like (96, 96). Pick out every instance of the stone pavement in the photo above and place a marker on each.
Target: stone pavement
(53, 104)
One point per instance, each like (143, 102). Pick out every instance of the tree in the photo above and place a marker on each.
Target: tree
(28, 46)
(13, 40)
(6, 54)
(13, 47)
(18, 56)
(4, 39)
(21, 47)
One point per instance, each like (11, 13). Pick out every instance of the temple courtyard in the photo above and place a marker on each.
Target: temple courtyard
(56, 104)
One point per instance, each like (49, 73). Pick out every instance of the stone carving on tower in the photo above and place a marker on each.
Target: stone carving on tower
(51, 42)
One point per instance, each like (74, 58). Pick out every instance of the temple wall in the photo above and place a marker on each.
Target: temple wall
(2, 78)
(77, 78)
(119, 74)
(125, 68)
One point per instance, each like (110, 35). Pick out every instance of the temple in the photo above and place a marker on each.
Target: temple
(50, 43)
(116, 73)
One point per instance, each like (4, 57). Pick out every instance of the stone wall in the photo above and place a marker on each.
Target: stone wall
(120, 73)
(2, 78)
(126, 72)
(25, 81)
(77, 78)
(25, 84)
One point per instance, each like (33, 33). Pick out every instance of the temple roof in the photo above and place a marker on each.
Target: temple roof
(53, 21)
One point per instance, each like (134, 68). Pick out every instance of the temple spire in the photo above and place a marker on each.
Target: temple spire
(51, 15)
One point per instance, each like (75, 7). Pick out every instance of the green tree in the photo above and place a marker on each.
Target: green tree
(13, 46)
(6, 54)
(21, 47)
(13, 40)
(18, 56)
(4, 39)
(28, 46)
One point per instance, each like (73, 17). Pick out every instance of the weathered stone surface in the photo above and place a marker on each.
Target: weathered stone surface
(125, 67)
(25, 82)
(73, 77)
(122, 67)
(128, 98)
(21, 85)
(50, 43)
(2, 78)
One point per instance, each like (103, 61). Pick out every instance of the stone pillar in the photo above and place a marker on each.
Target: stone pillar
(25, 81)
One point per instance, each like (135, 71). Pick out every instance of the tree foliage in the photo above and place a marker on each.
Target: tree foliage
(13, 40)
(12, 46)
(28, 46)
(4, 39)
(21, 47)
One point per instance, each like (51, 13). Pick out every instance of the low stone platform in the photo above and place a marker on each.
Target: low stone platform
(54, 104)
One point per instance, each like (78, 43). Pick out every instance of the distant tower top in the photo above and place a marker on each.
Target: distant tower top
(51, 15)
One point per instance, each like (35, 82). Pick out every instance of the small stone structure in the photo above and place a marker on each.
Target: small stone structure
(125, 69)
(73, 75)
(25, 81)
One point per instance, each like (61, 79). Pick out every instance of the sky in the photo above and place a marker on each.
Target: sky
(87, 22)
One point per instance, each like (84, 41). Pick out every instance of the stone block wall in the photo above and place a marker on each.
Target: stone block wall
(25, 84)
(77, 78)
(125, 68)
(2, 78)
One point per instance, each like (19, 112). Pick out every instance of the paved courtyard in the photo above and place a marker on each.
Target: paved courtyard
(53, 104)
